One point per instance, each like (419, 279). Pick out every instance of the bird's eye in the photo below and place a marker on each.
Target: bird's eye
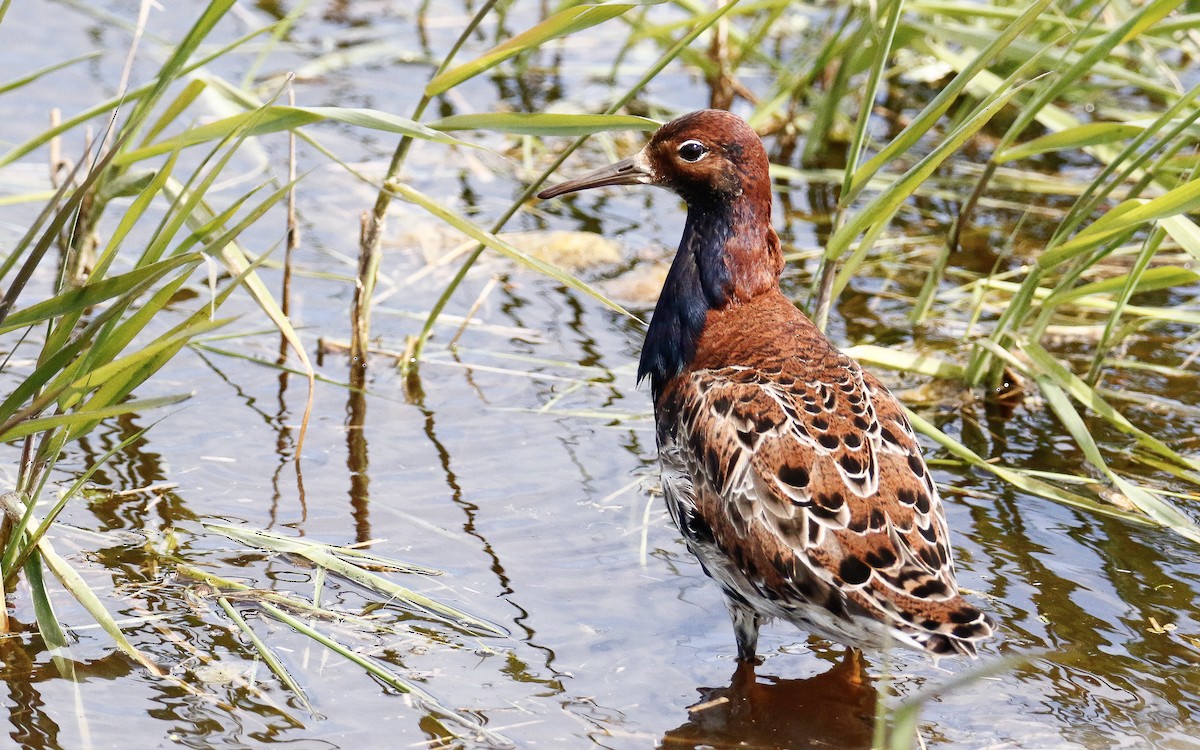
(692, 151)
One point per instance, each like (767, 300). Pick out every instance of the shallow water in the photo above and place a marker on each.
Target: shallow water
(524, 469)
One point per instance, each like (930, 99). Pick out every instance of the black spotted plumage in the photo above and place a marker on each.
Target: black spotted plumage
(793, 475)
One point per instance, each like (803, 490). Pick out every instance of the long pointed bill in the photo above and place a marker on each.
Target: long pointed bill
(632, 171)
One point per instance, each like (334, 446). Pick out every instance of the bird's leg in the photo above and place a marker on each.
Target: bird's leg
(745, 628)
(854, 667)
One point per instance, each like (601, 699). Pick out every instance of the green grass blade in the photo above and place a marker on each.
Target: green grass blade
(905, 361)
(172, 111)
(1152, 279)
(268, 656)
(278, 119)
(884, 40)
(175, 65)
(29, 78)
(488, 239)
(77, 587)
(14, 557)
(932, 112)
(1036, 107)
(1184, 231)
(537, 123)
(881, 208)
(698, 27)
(43, 608)
(319, 555)
(40, 424)
(1154, 507)
(1124, 217)
(1077, 137)
(1087, 396)
(562, 23)
(94, 293)
(1019, 479)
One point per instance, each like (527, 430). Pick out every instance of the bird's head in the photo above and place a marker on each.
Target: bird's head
(705, 156)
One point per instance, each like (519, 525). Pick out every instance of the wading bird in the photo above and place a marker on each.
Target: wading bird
(793, 475)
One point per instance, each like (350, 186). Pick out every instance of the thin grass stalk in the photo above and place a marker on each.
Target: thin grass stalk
(13, 505)
(902, 734)
(1024, 118)
(1070, 276)
(1141, 263)
(264, 651)
(53, 377)
(371, 233)
(425, 699)
(938, 106)
(873, 218)
(408, 367)
(816, 138)
(1139, 21)
(827, 112)
(16, 555)
(57, 218)
(791, 85)
(1134, 155)
(1018, 309)
(883, 41)
(66, 324)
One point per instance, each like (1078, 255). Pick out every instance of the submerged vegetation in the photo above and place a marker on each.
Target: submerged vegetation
(1061, 138)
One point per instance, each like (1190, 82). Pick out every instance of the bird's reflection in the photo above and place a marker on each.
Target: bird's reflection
(835, 709)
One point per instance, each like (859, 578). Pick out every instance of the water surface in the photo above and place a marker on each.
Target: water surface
(523, 467)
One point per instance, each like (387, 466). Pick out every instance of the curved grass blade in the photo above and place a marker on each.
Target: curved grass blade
(73, 419)
(905, 361)
(1123, 217)
(883, 206)
(904, 718)
(488, 239)
(10, 504)
(885, 39)
(562, 23)
(1152, 279)
(923, 122)
(280, 118)
(1077, 137)
(29, 78)
(538, 123)
(319, 555)
(1184, 231)
(268, 656)
(1019, 479)
(426, 701)
(1154, 507)
(1087, 396)
(94, 293)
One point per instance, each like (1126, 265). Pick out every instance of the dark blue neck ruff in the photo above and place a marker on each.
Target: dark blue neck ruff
(698, 281)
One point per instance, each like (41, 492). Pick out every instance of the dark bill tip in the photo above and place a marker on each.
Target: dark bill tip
(624, 172)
